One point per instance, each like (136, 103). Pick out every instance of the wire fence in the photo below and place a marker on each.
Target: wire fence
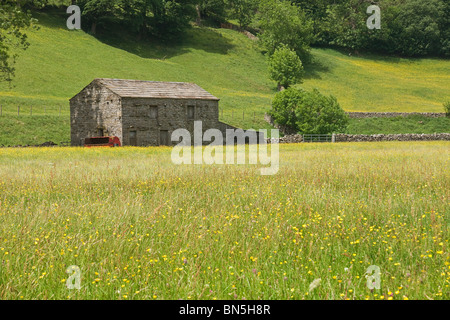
(20, 110)
(250, 116)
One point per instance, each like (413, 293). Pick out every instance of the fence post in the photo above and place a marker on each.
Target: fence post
(333, 138)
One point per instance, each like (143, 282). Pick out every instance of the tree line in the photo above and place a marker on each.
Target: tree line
(409, 27)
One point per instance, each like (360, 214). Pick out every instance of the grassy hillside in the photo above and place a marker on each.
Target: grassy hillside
(59, 63)
(382, 84)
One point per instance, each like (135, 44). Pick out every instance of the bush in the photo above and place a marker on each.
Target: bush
(447, 109)
(308, 112)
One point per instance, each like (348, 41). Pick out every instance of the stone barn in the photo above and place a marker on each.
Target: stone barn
(141, 113)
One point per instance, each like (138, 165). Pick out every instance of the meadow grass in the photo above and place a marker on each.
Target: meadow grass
(140, 227)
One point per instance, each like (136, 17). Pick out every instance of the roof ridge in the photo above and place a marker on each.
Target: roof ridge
(152, 81)
(144, 89)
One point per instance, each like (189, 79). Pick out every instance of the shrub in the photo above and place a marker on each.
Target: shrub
(308, 112)
(447, 109)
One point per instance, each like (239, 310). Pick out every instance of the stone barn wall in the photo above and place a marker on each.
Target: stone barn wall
(93, 109)
(139, 116)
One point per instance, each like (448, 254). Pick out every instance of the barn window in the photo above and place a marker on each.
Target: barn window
(190, 112)
(100, 132)
(153, 112)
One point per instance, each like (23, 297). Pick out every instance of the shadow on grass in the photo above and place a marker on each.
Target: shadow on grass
(376, 55)
(116, 33)
(314, 68)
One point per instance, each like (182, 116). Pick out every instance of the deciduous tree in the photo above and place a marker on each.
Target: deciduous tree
(13, 21)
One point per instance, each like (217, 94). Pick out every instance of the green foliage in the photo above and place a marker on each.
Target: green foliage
(94, 10)
(417, 27)
(447, 109)
(13, 20)
(408, 28)
(345, 24)
(213, 11)
(160, 18)
(308, 112)
(284, 106)
(285, 67)
(243, 11)
(283, 23)
(171, 18)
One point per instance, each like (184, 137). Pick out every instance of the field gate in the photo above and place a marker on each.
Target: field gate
(319, 138)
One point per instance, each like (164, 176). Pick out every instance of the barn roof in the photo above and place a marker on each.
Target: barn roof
(156, 89)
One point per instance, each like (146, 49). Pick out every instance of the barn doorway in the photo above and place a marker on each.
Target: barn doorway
(164, 138)
(133, 138)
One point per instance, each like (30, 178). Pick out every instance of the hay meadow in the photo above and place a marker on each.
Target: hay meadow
(140, 227)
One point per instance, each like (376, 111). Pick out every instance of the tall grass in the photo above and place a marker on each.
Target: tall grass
(140, 227)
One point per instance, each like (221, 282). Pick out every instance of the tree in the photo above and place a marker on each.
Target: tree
(345, 24)
(418, 29)
(308, 112)
(212, 10)
(285, 67)
(13, 20)
(171, 18)
(408, 27)
(94, 10)
(243, 11)
(161, 18)
(281, 23)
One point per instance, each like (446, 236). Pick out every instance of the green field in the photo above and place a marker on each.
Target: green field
(140, 227)
(409, 124)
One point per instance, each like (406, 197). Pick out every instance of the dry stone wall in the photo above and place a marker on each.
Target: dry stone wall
(298, 138)
(392, 137)
(360, 115)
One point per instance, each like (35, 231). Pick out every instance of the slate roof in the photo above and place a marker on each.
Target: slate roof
(156, 89)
